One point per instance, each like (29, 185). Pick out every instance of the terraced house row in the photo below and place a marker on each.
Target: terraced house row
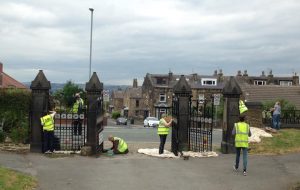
(154, 97)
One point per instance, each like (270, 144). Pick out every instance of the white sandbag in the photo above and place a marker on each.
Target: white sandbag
(257, 133)
(168, 154)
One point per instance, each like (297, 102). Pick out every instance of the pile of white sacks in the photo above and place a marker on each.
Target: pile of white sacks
(168, 154)
(257, 133)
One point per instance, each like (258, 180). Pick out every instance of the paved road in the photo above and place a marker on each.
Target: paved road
(135, 172)
(138, 133)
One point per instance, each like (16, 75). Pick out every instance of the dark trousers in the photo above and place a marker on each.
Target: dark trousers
(48, 141)
(245, 157)
(78, 127)
(163, 139)
(118, 152)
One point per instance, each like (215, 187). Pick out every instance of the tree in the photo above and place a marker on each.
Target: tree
(66, 95)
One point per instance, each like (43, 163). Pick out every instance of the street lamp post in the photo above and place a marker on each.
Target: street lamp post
(92, 11)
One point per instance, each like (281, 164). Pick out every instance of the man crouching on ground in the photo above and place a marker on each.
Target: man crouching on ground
(119, 145)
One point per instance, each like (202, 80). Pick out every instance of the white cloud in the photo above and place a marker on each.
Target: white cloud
(133, 37)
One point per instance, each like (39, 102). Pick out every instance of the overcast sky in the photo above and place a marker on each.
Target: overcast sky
(135, 37)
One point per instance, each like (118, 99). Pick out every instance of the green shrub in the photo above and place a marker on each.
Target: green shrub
(19, 134)
(2, 136)
(115, 114)
(14, 113)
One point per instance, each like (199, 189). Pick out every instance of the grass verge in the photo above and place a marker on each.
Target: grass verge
(295, 187)
(12, 180)
(285, 141)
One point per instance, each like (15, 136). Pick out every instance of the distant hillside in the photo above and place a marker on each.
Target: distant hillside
(57, 86)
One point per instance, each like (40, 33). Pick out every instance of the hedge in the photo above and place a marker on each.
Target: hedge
(14, 113)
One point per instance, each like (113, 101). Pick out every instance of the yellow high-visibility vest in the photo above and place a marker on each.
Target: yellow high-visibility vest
(76, 105)
(241, 134)
(48, 123)
(242, 107)
(122, 146)
(162, 129)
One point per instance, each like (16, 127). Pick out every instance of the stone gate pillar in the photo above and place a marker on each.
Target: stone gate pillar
(40, 87)
(180, 127)
(95, 114)
(231, 93)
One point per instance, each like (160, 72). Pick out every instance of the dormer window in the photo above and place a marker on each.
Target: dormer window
(286, 83)
(161, 80)
(260, 82)
(209, 82)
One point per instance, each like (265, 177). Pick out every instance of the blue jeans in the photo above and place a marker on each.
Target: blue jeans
(276, 121)
(245, 157)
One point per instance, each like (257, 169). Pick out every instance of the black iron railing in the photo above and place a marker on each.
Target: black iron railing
(201, 127)
(288, 118)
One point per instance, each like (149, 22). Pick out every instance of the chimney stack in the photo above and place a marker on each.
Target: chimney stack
(135, 83)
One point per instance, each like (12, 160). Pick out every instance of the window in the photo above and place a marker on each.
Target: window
(137, 103)
(209, 82)
(260, 82)
(162, 98)
(285, 83)
(161, 80)
(136, 112)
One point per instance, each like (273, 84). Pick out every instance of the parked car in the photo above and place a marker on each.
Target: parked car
(151, 122)
(121, 121)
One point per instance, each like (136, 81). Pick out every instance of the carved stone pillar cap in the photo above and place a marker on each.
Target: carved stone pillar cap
(232, 88)
(94, 84)
(40, 82)
(182, 86)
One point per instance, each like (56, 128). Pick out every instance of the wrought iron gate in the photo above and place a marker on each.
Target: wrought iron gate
(70, 130)
(201, 125)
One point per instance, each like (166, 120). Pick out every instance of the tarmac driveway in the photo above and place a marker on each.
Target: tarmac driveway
(140, 172)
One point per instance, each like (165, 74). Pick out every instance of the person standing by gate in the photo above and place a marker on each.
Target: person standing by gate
(276, 116)
(47, 122)
(163, 131)
(78, 109)
(241, 131)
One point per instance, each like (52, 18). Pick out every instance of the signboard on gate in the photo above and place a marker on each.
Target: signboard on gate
(217, 98)
(106, 95)
(100, 138)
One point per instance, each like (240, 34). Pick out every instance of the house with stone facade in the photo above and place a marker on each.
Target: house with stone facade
(259, 89)
(133, 101)
(157, 90)
(117, 98)
(269, 87)
(7, 81)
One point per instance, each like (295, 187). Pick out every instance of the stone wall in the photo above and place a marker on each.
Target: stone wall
(254, 115)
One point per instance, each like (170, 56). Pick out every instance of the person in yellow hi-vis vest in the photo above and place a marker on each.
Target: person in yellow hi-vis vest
(241, 130)
(47, 122)
(119, 145)
(78, 109)
(163, 131)
(242, 107)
